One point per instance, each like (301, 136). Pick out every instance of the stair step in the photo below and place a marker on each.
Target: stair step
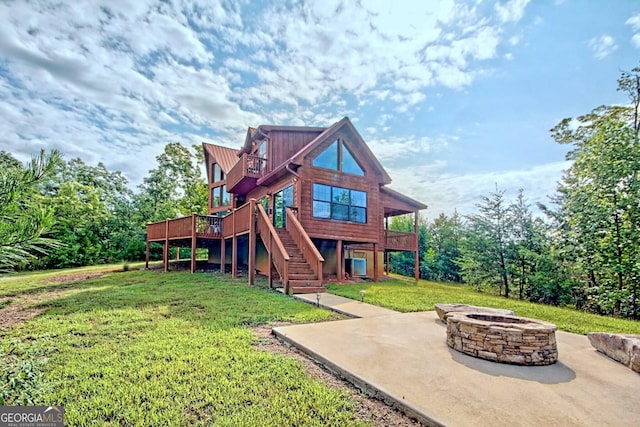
(305, 283)
(310, 277)
(300, 270)
(307, 290)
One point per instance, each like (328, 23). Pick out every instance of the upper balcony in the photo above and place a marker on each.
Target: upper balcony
(243, 176)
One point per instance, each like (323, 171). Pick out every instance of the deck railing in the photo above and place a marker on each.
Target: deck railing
(183, 227)
(208, 226)
(156, 230)
(309, 250)
(398, 240)
(275, 248)
(237, 222)
(249, 166)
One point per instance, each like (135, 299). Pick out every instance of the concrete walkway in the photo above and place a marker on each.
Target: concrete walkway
(404, 359)
(346, 306)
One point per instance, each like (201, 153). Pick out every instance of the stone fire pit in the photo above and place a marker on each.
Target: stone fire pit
(501, 338)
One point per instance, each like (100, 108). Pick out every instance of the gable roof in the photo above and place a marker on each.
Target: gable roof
(225, 157)
(298, 157)
(262, 131)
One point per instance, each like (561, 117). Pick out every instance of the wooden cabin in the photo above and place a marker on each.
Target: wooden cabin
(301, 205)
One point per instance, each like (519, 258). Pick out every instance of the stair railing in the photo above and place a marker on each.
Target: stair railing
(306, 246)
(275, 248)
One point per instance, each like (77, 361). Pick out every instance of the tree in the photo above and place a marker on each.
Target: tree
(24, 222)
(94, 216)
(176, 187)
(486, 245)
(443, 249)
(600, 200)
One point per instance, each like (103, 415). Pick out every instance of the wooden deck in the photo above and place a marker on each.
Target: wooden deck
(207, 231)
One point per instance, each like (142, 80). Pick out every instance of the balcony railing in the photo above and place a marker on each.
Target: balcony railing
(399, 241)
(243, 176)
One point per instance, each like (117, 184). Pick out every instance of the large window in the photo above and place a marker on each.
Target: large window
(216, 173)
(338, 203)
(338, 157)
(220, 197)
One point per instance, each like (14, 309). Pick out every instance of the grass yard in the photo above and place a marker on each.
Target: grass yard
(409, 296)
(152, 348)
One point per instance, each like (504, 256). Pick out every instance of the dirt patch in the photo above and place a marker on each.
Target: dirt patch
(369, 409)
(20, 308)
(70, 278)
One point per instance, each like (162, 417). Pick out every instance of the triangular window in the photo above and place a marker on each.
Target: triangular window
(349, 164)
(328, 159)
(338, 157)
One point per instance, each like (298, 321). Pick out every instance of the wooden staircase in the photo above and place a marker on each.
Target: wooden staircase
(302, 279)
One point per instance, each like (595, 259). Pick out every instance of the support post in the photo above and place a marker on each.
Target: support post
(388, 261)
(223, 255)
(339, 261)
(146, 258)
(375, 262)
(234, 247)
(270, 252)
(193, 243)
(252, 242)
(417, 247)
(165, 248)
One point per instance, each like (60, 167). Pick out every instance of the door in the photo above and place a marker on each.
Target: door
(281, 200)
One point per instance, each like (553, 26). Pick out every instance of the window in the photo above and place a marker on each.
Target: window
(349, 164)
(216, 173)
(328, 159)
(220, 197)
(342, 204)
(338, 154)
(262, 148)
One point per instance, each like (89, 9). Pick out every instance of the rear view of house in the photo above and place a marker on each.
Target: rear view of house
(300, 205)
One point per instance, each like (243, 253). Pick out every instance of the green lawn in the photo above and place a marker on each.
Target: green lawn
(153, 348)
(409, 296)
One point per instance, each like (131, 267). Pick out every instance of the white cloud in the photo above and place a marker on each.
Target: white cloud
(634, 22)
(115, 81)
(446, 193)
(512, 10)
(602, 46)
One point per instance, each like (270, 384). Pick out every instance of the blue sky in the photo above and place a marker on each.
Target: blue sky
(454, 97)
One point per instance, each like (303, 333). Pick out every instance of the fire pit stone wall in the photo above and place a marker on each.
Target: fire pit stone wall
(504, 339)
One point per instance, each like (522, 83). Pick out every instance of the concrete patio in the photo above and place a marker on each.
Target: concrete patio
(404, 359)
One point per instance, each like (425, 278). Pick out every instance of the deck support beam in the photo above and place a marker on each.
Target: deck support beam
(234, 248)
(387, 261)
(252, 242)
(270, 270)
(165, 247)
(193, 243)
(417, 247)
(340, 261)
(375, 262)
(223, 255)
(146, 258)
